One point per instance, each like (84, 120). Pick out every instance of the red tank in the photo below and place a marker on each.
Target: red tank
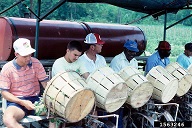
(54, 36)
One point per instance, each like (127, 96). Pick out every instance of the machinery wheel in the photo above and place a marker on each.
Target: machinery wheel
(140, 120)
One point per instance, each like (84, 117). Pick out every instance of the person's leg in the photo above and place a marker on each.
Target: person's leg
(11, 117)
(52, 125)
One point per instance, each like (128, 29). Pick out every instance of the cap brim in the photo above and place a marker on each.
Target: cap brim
(27, 52)
(102, 42)
(132, 49)
(136, 50)
(89, 42)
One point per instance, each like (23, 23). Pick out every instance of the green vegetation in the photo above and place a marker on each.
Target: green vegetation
(178, 35)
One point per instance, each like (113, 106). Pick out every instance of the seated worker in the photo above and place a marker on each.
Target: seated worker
(70, 60)
(124, 59)
(19, 83)
(91, 58)
(160, 57)
(185, 59)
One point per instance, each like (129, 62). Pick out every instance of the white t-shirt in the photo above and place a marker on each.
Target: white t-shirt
(90, 64)
(120, 61)
(61, 65)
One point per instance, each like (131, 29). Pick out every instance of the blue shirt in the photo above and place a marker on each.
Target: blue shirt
(184, 60)
(155, 60)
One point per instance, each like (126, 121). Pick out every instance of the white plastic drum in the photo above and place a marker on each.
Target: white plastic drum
(140, 89)
(110, 89)
(183, 76)
(66, 96)
(165, 85)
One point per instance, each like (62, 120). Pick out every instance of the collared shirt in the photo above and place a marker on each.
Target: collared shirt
(90, 64)
(22, 81)
(61, 65)
(184, 60)
(120, 61)
(155, 60)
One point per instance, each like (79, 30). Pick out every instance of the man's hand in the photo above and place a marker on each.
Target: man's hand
(28, 104)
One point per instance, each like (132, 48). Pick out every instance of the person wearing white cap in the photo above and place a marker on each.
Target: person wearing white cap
(91, 58)
(19, 83)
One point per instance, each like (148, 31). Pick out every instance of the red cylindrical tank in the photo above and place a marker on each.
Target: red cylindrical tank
(54, 36)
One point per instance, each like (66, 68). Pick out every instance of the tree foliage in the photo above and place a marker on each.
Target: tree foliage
(105, 13)
(95, 12)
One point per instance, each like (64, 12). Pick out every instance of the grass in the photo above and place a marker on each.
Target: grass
(177, 36)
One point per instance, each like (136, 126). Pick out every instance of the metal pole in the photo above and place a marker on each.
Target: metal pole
(156, 13)
(37, 29)
(165, 24)
(11, 6)
(179, 21)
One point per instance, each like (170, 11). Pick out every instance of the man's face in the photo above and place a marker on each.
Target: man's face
(23, 60)
(164, 53)
(188, 53)
(98, 48)
(73, 55)
(129, 54)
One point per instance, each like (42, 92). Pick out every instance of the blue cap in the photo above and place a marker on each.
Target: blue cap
(131, 45)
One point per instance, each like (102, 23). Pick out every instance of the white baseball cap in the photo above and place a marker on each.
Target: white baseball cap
(23, 47)
(93, 38)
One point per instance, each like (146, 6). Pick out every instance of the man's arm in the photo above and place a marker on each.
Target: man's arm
(44, 83)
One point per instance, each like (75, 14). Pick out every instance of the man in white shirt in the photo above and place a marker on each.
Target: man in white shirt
(122, 60)
(126, 58)
(91, 57)
(70, 61)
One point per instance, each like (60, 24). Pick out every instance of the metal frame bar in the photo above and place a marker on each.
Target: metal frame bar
(37, 16)
(11, 6)
(144, 17)
(37, 30)
(178, 21)
(40, 19)
(165, 24)
(53, 9)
